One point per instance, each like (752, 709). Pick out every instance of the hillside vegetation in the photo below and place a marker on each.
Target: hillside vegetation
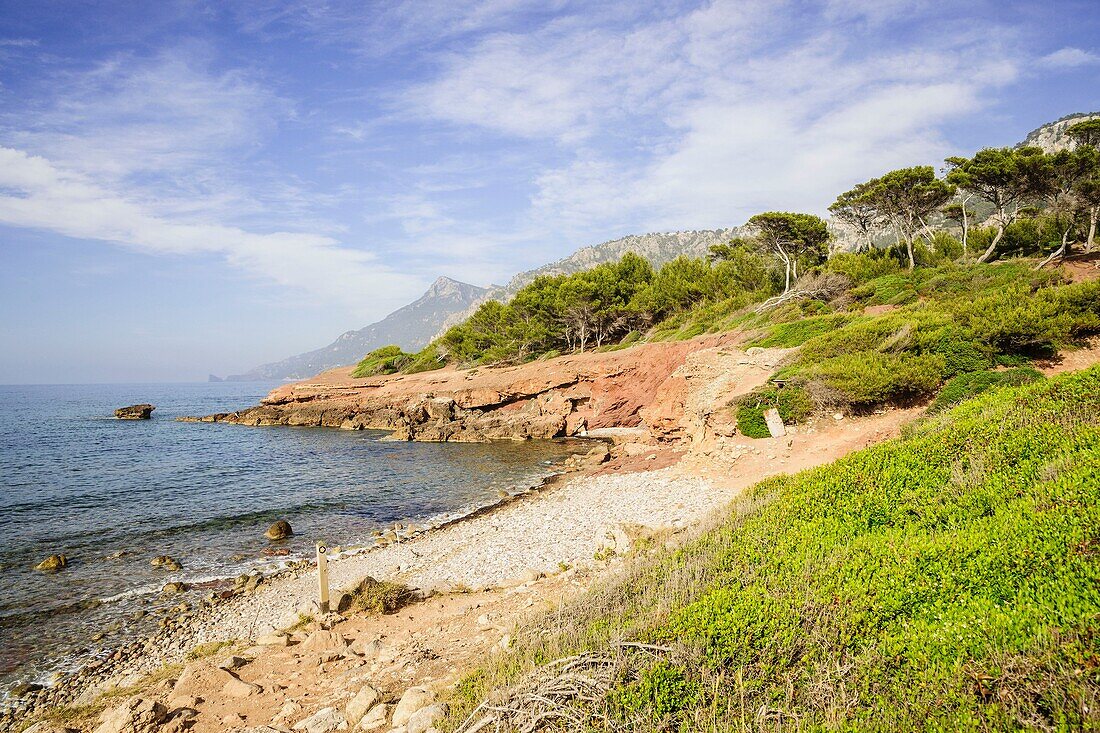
(945, 580)
(1035, 207)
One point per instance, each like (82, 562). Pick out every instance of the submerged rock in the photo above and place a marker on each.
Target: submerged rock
(166, 562)
(135, 412)
(280, 530)
(52, 564)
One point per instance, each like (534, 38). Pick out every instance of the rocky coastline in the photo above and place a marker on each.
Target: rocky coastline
(565, 397)
(663, 408)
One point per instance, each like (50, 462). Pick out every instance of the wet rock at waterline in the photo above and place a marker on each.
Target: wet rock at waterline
(52, 564)
(135, 412)
(166, 562)
(279, 531)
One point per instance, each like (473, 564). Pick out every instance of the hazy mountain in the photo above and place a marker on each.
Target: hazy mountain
(658, 248)
(410, 327)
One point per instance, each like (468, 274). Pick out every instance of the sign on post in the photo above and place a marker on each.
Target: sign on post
(322, 575)
(775, 423)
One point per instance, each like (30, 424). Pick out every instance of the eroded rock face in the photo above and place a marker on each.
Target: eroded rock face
(561, 397)
(135, 412)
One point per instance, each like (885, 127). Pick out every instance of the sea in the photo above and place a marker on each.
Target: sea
(113, 494)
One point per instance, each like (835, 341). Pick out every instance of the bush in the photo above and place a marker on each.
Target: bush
(869, 378)
(791, 401)
(965, 386)
(799, 332)
(863, 267)
(945, 580)
(661, 690)
(383, 597)
(385, 360)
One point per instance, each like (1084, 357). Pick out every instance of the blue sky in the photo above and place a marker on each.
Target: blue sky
(194, 187)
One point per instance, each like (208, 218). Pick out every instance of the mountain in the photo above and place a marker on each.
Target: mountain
(410, 327)
(1052, 136)
(658, 248)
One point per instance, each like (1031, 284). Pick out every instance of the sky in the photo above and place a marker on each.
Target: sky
(199, 187)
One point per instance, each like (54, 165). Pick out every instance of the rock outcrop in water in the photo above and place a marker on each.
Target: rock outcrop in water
(135, 412)
(280, 530)
(52, 564)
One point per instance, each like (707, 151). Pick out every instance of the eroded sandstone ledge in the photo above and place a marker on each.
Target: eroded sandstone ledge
(648, 385)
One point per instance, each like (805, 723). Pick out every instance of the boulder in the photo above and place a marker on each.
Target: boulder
(174, 587)
(135, 412)
(367, 648)
(233, 662)
(322, 640)
(325, 720)
(413, 700)
(136, 715)
(426, 718)
(375, 717)
(364, 701)
(280, 530)
(236, 687)
(53, 564)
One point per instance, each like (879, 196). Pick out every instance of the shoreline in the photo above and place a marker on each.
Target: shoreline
(65, 684)
(569, 529)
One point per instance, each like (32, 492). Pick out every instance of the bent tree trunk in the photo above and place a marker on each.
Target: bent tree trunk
(1058, 253)
(993, 245)
(909, 251)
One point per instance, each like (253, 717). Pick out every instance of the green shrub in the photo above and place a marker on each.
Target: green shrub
(792, 402)
(863, 267)
(945, 580)
(796, 333)
(426, 360)
(384, 360)
(661, 690)
(965, 386)
(868, 378)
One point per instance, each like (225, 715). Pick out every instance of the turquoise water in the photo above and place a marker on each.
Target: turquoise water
(112, 494)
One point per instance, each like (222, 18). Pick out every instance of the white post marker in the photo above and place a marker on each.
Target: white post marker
(322, 575)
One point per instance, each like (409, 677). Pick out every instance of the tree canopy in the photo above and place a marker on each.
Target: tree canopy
(1007, 178)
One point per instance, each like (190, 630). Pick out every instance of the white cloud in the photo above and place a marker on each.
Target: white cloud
(704, 119)
(37, 194)
(1069, 58)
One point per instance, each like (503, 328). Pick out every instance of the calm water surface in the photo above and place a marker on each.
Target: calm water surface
(112, 494)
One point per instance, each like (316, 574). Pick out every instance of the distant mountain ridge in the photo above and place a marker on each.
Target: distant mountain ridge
(657, 247)
(1052, 136)
(410, 327)
(449, 302)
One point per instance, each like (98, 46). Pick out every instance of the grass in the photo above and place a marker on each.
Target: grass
(945, 580)
(374, 596)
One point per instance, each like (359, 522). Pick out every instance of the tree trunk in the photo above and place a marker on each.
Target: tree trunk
(787, 267)
(993, 245)
(1058, 253)
(965, 227)
(909, 250)
(1094, 213)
